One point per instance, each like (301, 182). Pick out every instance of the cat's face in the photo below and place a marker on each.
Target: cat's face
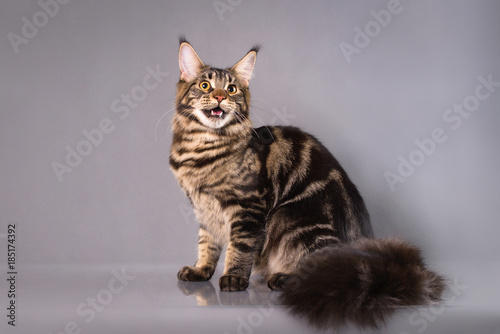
(214, 98)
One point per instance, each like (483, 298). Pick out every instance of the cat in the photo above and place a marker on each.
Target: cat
(284, 207)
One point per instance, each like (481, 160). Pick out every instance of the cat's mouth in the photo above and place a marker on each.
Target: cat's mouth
(216, 112)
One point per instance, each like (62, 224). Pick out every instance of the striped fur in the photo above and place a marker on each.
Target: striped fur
(275, 196)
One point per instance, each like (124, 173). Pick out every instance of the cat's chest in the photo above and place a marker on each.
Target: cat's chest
(211, 180)
(210, 214)
(214, 172)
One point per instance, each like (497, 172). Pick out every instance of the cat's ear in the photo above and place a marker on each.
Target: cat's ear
(189, 62)
(244, 68)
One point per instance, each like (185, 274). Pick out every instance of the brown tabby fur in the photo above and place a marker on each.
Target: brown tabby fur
(283, 206)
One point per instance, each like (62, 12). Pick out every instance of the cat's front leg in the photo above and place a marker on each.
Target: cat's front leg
(247, 236)
(208, 255)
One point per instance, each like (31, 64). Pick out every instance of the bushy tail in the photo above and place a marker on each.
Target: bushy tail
(362, 283)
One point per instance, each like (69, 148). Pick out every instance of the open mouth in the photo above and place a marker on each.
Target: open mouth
(216, 112)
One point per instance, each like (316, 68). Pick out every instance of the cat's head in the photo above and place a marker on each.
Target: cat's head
(210, 97)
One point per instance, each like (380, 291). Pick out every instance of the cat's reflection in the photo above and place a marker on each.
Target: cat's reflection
(206, 294)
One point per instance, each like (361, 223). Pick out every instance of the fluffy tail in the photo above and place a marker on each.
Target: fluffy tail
(361, 283)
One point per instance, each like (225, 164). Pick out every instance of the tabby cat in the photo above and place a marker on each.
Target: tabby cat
(283, 206)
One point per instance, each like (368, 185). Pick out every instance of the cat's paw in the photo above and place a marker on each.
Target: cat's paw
(233, 283)
(277, 281)
(193, 274)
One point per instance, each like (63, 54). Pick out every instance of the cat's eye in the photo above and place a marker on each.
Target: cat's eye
(231, 89)
(205, 86)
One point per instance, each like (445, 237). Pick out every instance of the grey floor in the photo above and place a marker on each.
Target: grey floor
(149, 299)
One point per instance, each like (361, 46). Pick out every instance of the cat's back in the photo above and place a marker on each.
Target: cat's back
(305, 177)
(292, 150)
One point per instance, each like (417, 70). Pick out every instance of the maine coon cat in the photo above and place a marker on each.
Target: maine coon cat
(283, 206)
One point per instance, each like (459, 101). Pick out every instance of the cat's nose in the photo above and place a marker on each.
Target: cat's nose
(219, 98)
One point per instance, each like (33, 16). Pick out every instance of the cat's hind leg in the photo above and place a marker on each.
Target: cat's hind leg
(289, 241)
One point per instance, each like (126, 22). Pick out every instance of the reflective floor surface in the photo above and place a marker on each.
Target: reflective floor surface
(149, 299)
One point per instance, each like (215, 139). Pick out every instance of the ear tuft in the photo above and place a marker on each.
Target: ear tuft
(256, 48)
(189, 62)
(182, 39)
(244, 68)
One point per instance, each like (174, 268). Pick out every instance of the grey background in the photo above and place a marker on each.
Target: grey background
(121, 207)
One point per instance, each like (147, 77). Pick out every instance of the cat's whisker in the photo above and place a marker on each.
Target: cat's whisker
(264, 125)
(159, 120)
(265, 110)
(244, 121)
